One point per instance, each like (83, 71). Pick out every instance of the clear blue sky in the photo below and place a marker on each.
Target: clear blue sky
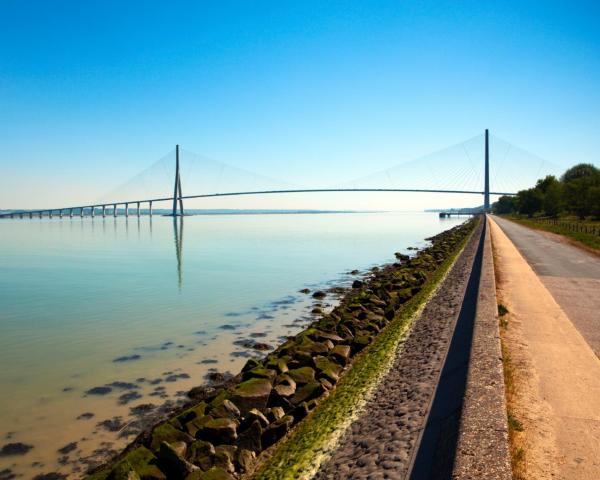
(93, 92)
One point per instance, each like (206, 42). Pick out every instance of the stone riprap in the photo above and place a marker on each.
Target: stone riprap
(221, 433)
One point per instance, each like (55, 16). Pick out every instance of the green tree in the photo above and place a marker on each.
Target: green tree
(505, 204)
(580, 183)
(552, 195)
(530, 201)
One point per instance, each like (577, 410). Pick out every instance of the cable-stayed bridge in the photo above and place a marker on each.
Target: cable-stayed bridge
(478, 166)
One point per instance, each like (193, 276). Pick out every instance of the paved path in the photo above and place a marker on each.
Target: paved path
(571, 275)
(558, 374)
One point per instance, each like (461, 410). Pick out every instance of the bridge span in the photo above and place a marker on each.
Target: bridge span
(112, 208)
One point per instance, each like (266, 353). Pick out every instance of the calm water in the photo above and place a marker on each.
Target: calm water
(77, 294)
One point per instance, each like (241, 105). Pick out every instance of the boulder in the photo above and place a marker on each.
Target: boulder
(193, 426)
(253, 415)
(166, 432)
(285, 386)
(173, 462)
(278, 363)
(299, 412)
(252, 393)
(215, 473)
(328, 369)
(224, 455)
(259, 372)
(319, 295)
(302, 375)
(277, 430)
(200, 449)
(142, 461)
(250, 364)
(275, 413)
(341, 353)
(250, 438)
(123, 471)
(226, 409)
(307, 392)
(357, 284)
(244, 460)
(218, 431)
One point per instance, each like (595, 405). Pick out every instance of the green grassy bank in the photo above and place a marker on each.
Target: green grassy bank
(585, 232)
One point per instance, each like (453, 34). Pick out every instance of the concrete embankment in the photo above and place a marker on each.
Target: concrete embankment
(221, 432)
(440, 411)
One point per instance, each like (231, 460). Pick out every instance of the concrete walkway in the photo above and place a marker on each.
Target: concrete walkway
(571, 275)
(558, 392)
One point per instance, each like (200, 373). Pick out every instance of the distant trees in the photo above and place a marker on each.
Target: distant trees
(577, 192)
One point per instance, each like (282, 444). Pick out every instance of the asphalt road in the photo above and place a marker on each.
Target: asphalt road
(570, 274)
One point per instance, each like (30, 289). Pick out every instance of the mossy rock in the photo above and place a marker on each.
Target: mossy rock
(277, 430)
(218, 431)
(143, 462)
(260, 372)
(167, 433)
(277, 363)
(302, 375)
(285, 386)
(307, 392)
(200, 449)
(253, 415)
(187, 415)
(244, 460)
(250, 437)
(172, 461)
(252, 393)
(193, 426)
(123, 471)
(226, 409)
(361, 340)
(328, 368)
(215, 473)
(250, 364)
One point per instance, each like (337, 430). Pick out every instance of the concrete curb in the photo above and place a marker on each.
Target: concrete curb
(482, 449)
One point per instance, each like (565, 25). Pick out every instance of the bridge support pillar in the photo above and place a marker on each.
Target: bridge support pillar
(138, 209)
(93, 212)
(150, 207)
(126, 209)
(49, 213)
(30, 214)
(486, 187)
(103, 211)
(40, 214)
(70, 212)
(81, 212)
(60, 213)
(115, 210)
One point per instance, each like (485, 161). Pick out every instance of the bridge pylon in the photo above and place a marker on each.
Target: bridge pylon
(177, 194)
(486, 187)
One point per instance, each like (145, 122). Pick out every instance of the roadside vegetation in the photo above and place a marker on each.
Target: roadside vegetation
(568, 206)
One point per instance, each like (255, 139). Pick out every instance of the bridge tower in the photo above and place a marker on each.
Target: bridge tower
(486, 188)
(177, 194)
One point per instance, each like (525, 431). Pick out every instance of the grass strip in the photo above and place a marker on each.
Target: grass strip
(300, 455)
(588, 239)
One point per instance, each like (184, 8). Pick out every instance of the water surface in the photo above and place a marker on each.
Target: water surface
(154, 304)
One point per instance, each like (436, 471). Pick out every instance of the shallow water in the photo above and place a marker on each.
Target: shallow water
(88, 302)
